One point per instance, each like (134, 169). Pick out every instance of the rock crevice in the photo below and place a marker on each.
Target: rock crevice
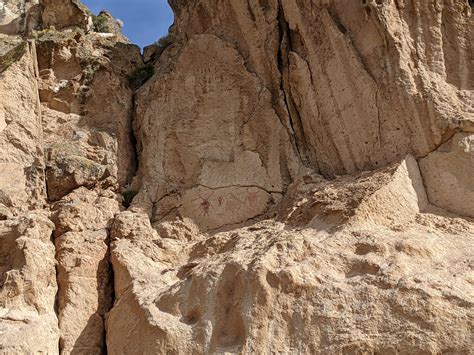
(282, 176)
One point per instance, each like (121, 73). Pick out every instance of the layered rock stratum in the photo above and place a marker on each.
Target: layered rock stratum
(275, 176)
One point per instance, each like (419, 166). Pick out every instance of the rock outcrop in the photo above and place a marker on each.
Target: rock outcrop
(19, 16)
(28, 286)
(448, 174)
(62, 14)
(22, 186)
(274, 176)
(63, 156)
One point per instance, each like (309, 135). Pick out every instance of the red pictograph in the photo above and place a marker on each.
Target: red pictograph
(252, 198)
(205, 206)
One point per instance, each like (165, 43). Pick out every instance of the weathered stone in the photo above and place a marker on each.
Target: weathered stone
(368, 269)
(149, 53)
(391, 196)
(18, 16)
(449, 175)
(62, 14)
(82, 221)
(220, 157)
(68, 173)
(297, 174)
(28, 287)
(21, 137)
(347, 76)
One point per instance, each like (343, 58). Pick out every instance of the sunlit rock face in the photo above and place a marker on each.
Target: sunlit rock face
(274, 176)
(20, 16)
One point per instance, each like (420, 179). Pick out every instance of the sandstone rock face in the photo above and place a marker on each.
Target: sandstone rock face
(65, 13)
(28, 323)
(85, 145)
(59, 146)
(21, 137)
(89, 157)
(82, 220)
(282, 176)
(448, 175)
(18, 16)
(216, 161)
(301, 286)
(352, 73)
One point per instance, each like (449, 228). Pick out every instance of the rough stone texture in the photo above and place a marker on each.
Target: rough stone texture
(84, 278)
(217, 160)
(449, 175)
(28, 287)
(390, 197)
(297, 174)
(18, 16)
(21, 137)
(352, 73)
(65, 14)
(302, 286)
(58, 144)
(86, 146)
(149, 53)
(90, 157)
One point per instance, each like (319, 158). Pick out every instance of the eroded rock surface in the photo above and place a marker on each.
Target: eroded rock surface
(65, 13)
(63, 155)
(310, 281)
(218, 160)
(28, 286)
(347, 76)
(82, 220)
(18, 16)
(282, 176)
(448, 175)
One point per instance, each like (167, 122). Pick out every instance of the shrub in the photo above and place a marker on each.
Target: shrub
(140, 76)
(101, 23)
(12, 56)
(165, 41)
(46, 31)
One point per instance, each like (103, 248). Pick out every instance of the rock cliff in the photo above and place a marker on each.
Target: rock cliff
(274, 176)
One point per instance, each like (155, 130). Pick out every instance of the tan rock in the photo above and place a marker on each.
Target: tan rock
(21, 139)
(18, 16)
(220, 156)
(68, 173)
(347, 76)
(89, 157)
(95, 144)
(271, 287)
(84, 276)
(28, 323)
(448, 173)
(65, 13)
(391, 196)
(297, 173)
(149, 53)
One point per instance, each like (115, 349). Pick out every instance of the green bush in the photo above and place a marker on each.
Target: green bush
(165, 41)
(12, 56)
(140, 76)
(101, 23)
(44, 32)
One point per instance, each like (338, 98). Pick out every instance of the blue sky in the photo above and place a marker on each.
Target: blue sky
(145, 21)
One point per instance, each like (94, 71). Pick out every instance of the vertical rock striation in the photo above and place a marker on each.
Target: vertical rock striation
(283, 176)
(68, 159)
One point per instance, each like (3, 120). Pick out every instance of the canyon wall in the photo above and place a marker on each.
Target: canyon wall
(277, 176)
